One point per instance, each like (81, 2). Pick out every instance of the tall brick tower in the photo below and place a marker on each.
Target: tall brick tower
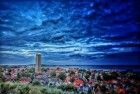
(38, 63)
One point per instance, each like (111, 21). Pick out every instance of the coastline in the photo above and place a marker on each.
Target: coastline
(93, 67)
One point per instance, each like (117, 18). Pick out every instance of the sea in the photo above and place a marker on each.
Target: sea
(93, 67)
(100, 67)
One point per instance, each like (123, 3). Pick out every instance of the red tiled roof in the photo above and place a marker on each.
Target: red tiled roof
(78, 82)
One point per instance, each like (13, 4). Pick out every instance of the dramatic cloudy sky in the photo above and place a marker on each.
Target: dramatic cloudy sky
(70, 31)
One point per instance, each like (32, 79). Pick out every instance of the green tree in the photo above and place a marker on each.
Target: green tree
(69, 87)
(35, 82)
(7, 88)
(18, 76)
(106, 76)
(4, 88)
(1, 75)
(53, 74)
(21, 89)
(44, 91)
(114, 75)
(62, 76)
(31, 70)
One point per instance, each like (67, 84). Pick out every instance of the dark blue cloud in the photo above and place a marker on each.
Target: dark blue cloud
(90, 32)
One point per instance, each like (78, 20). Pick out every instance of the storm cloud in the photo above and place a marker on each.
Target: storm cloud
(69, 31)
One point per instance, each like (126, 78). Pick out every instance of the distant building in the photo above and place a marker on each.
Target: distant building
(38, 63)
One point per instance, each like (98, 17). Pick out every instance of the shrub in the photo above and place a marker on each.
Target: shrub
(51, 91)
(35, 90)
